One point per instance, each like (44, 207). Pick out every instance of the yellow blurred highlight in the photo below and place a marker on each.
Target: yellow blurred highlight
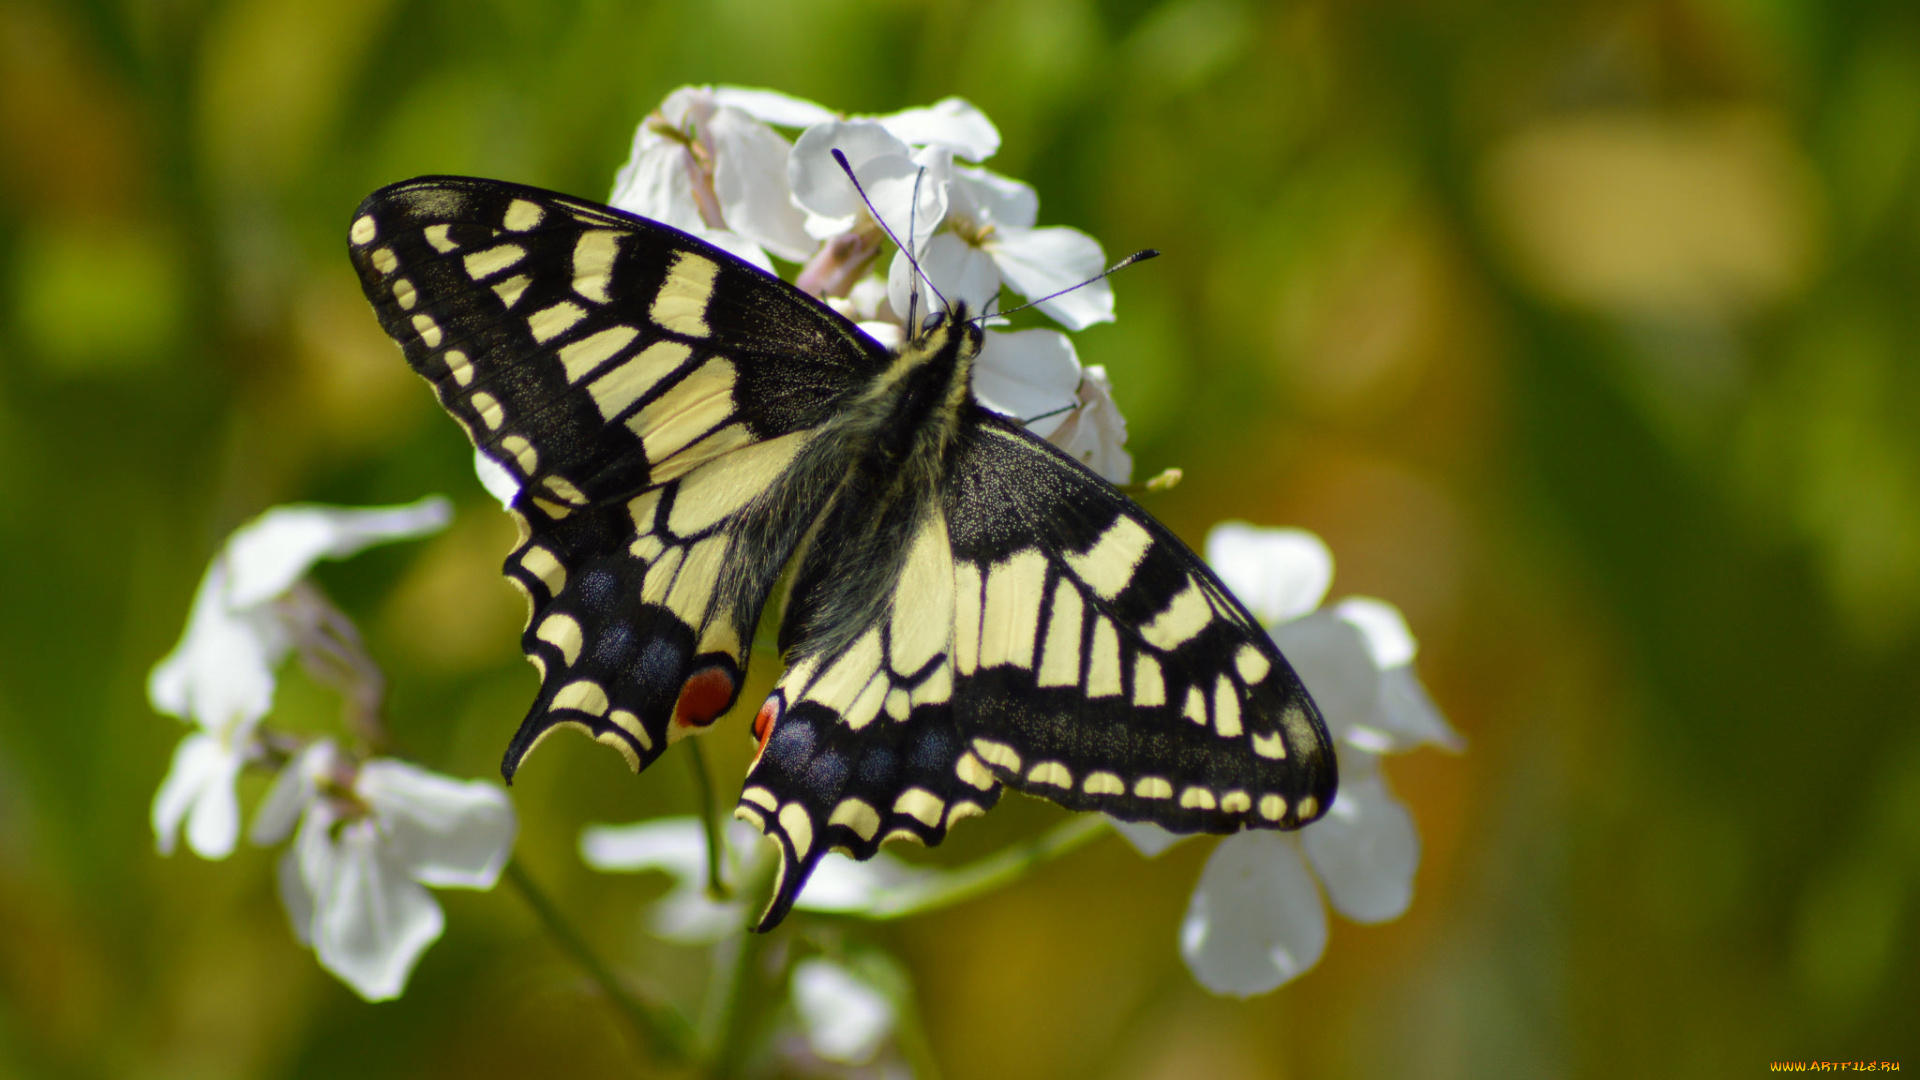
(1702, 213)
(352, 383)
(454, 611)
(97, 296)
(273, 83)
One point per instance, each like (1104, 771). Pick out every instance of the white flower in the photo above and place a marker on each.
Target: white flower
(371, 837)
(689, 916)
(845, 1018)
(707, 163)
(888, 170)
(1093, 431)
(988, 240)
(245, 617)
(1256, 919)
(1035, 376)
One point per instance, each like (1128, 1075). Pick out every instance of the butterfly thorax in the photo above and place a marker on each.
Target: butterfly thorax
(912, 409)
(898, 436)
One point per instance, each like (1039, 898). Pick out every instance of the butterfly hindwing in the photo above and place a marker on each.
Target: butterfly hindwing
(645, 391)
(1110, 670)
(1039, 631)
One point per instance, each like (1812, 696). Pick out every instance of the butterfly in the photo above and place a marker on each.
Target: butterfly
(962, 606)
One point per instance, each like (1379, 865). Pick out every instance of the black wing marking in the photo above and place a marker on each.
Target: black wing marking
(645, 390)
(1043, 633)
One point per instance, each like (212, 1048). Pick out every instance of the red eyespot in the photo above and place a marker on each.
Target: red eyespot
(763, 724)
(703, 697)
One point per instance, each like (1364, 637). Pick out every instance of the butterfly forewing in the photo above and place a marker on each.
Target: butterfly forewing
(641, 388)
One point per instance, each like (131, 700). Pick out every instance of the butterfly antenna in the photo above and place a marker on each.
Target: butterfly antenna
(905, 249)
(913, 214)
(1139, 256)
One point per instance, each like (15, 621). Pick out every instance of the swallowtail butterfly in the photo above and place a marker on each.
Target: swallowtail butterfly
(963, 606)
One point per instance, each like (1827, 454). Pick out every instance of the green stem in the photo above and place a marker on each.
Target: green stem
(703, 791)
(662, 1033)
(1004, 868)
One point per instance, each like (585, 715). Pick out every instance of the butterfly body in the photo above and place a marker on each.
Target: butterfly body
(963, 606)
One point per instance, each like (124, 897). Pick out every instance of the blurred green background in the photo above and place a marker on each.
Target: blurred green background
(1584, 332)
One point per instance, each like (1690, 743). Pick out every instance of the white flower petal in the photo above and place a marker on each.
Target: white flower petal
(776, 108)
(750, 180)
(295, 896)
(688, 916)
(1279, 574)
(1382, 627)
(677, 845)
(818, 185)
(736, 245)
(960, 272)
(688, 104)
(271, 552)
(844, 1017)
(1409, 716)
(292, 791)
(1030, 375)
(844, 886)
(213, 826)
(951, 122)
(1256, 919)
(984, 198)
(887, 335)
(892, 183)
(1146, 837)
(657, 181)
(372, 921)
(1094, 432)
(444, 832)
(1041, 262)
(221, 673)
(1333, 662)
(1365, 849)
(199, 783)
(494, 476)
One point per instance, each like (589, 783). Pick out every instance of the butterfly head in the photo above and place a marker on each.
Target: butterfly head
(949, 329)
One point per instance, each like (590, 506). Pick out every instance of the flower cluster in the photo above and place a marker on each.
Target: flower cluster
(373, 832)
(710, 162)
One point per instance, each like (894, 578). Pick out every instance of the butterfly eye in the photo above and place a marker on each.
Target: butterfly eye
(932, 320)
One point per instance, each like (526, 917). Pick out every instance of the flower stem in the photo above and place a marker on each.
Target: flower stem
(1003, 868)
(703, 791)
(661, 1032)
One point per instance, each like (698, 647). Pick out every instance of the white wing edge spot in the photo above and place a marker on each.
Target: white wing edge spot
(563, 633)
(855, 814)
(1153, 787)
(921, 805)
(1051, 772)
(997, 753)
